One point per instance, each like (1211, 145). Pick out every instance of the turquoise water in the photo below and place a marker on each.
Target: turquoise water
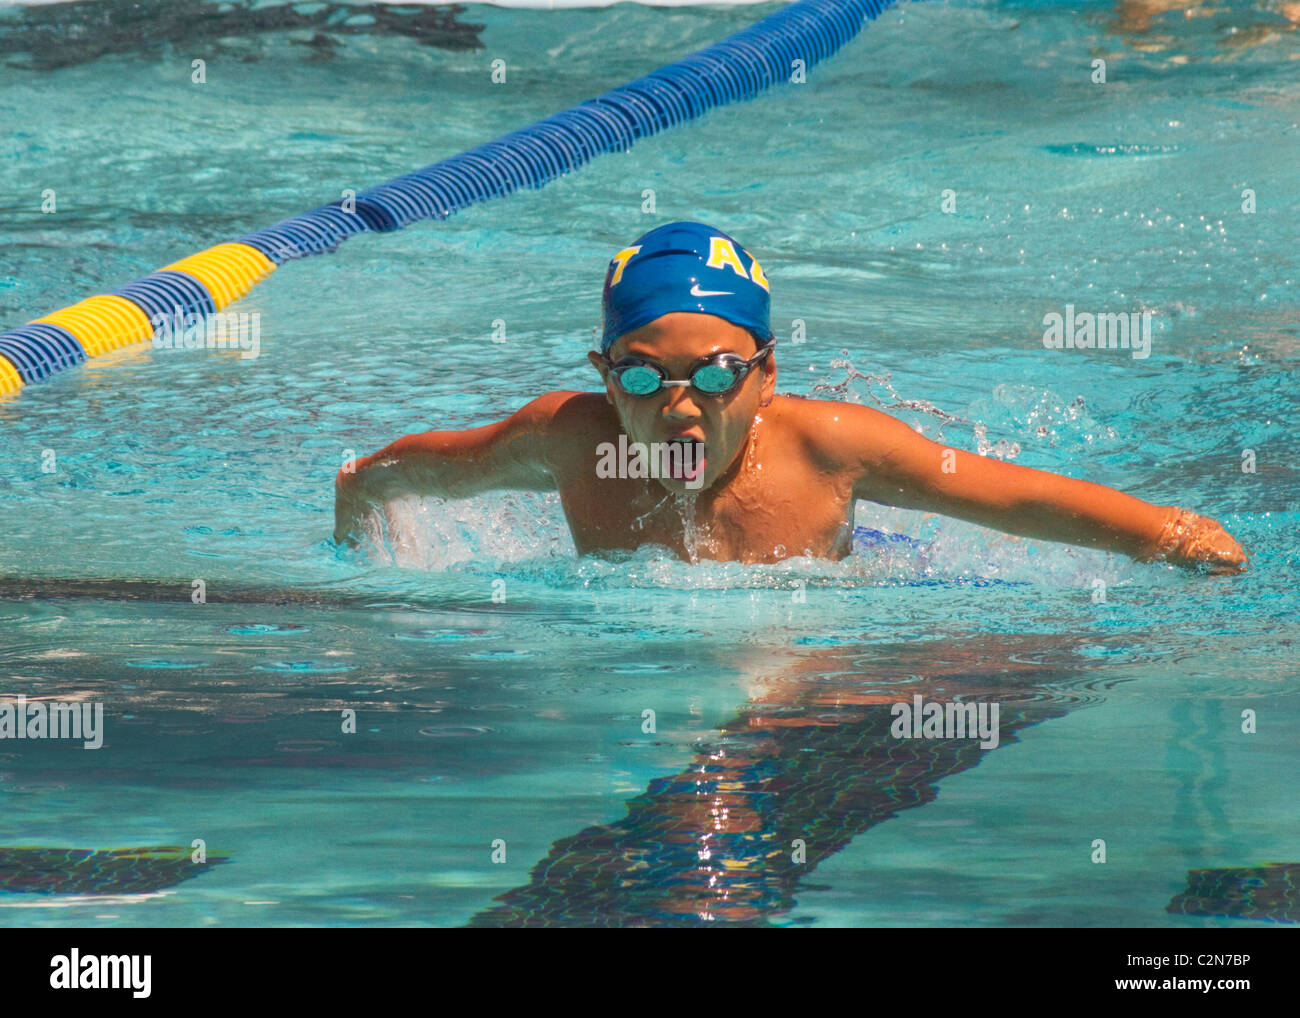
(521, 720)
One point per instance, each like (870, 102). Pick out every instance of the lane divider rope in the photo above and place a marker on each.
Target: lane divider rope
(737, 68)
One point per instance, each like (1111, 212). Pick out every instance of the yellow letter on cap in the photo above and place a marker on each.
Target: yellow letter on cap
(722, 254)
(757, 271)
(620, 262)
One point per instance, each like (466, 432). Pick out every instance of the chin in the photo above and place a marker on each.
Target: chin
(680, 487)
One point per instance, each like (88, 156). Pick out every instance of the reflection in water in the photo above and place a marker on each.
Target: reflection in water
(47, 37)
(1241, 26)
(1269, 892)
(107, 871)
(812, 761)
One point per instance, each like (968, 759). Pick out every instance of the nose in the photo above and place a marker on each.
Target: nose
(681, 405)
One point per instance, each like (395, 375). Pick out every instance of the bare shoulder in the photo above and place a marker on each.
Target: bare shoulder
(563, 424)
(842, 436)
(565, 413)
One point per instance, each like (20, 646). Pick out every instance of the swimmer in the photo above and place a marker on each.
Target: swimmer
(1135, 18)
(687, 357)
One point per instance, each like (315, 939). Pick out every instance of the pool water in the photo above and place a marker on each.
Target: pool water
(500, 683)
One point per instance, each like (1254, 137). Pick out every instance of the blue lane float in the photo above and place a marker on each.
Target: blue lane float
(161, 293)
(735, 69)
(319, 231)
(39, 349)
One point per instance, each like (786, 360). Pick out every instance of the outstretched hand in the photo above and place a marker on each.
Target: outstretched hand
(1191, 539)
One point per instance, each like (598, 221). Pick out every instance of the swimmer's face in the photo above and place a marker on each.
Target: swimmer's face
(677, 342)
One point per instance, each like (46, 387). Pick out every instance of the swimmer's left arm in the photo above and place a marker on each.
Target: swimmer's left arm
(897, 466)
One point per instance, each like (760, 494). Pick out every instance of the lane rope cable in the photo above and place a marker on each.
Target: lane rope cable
(187, 291)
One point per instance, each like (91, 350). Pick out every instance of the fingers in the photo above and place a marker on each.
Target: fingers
(1209, 542)
(1190, 539)
(1205, 541)
(1229, 556)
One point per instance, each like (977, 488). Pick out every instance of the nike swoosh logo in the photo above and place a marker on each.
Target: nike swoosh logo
(697, 292)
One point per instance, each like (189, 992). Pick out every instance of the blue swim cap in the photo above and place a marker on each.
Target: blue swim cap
(685, 267)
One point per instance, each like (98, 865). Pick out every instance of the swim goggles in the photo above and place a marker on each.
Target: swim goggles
(713, 376)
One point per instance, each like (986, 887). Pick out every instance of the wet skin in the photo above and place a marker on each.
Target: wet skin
(781, 473)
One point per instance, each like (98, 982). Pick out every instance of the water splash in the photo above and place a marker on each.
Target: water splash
(692, 534)
(846, 392)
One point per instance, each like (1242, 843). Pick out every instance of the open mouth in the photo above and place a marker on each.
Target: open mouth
(685, 459)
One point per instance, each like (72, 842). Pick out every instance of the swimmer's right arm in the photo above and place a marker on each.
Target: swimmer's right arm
(510, 454)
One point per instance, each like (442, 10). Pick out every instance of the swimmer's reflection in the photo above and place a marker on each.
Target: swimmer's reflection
(810, 762)
(1136, 18)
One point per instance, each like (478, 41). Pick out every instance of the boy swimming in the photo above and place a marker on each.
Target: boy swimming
(721, 467)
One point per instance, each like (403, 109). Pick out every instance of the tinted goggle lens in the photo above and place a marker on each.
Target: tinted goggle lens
(713, 379)
(639, 380)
